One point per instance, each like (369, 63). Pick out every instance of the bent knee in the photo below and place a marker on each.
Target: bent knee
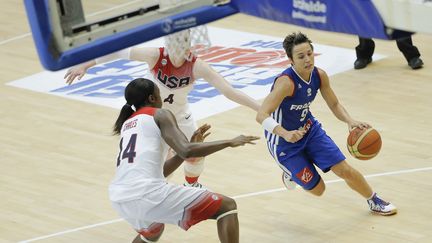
(228, 204)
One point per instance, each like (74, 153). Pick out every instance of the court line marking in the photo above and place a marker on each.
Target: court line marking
(235, 197)
(89, 15)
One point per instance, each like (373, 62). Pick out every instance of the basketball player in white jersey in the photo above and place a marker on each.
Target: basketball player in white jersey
(175, 69)
(140, 192)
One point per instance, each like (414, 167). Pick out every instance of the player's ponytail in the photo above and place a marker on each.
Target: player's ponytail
(136, 95)
(125, 113)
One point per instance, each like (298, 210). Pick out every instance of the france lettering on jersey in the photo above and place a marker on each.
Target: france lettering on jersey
(141, 158)
(293, 113)
(174, 83)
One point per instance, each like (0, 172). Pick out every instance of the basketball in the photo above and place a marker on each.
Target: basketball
(364, 144)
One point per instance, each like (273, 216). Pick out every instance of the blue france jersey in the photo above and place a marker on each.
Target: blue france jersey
(293, 113)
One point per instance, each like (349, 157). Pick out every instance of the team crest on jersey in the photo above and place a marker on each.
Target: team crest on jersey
(309, 92)
(173, 82)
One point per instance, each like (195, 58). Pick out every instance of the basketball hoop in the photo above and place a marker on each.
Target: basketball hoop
(181, 44)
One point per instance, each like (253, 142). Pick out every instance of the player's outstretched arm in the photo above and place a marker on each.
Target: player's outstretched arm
(149, 55)
(203, 70)
(185, 149)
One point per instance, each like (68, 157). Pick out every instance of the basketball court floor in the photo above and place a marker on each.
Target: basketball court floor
(57, 154)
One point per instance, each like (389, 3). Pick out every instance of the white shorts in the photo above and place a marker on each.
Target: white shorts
(171, 204)
(187, 123)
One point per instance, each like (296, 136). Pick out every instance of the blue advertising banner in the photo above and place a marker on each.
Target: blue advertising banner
(358, 17)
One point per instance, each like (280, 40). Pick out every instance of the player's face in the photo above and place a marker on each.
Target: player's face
(303, 57)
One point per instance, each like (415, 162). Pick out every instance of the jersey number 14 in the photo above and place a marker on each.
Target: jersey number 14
(129, 151)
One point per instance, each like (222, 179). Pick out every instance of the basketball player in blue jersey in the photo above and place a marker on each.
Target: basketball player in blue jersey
(295, 138)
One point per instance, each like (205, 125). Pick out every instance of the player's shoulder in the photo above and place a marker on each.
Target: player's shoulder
(321, 71)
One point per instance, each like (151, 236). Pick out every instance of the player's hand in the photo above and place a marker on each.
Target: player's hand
(75, 72)
(200, 134)
(294, 135)
(242, 140)
(353, 124)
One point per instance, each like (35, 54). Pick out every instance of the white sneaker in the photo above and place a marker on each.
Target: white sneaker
(195, 184)
(288, 182)
(379, 206)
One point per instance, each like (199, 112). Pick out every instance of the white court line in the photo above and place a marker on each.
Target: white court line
(235, 197)
(89, 15)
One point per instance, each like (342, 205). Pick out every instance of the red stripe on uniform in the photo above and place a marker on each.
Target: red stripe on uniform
(152, 231)
(145, 110)
(202, 208)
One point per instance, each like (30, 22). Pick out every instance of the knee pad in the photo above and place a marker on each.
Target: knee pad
(194, 167)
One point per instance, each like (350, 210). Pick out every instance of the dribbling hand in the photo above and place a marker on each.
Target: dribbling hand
(353, 124)
(242, 140)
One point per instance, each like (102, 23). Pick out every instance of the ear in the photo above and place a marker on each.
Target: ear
(151, 99)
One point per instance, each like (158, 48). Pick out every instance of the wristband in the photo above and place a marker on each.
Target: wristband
(269, 124)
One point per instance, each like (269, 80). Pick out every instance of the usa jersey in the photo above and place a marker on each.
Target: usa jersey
(174, 83)
(140, 161)
(293, 113)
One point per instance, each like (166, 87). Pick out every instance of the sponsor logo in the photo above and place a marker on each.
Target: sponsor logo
(282, 154)
(169, 25)
(305, 175)
(310, 11)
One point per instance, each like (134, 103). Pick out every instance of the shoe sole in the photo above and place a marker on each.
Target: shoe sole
(393, 212)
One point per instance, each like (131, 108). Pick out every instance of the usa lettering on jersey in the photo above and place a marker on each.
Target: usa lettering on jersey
(172, 82)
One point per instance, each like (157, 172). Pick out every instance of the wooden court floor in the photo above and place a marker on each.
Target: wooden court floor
(57, 155)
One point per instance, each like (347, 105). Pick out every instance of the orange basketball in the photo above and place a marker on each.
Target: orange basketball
(364, 144)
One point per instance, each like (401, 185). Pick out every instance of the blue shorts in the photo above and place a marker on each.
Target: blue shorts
(318, 150)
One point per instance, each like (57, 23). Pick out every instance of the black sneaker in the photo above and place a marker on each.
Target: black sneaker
(361, 63)
(415, 63)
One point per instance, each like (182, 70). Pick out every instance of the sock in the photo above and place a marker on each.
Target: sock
(191, 180)
(373, 195)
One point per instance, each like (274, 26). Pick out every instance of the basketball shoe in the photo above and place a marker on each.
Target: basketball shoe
(288, 182)
(195, 184)
(379, 206)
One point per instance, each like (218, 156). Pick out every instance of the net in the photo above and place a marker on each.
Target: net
(179, 45)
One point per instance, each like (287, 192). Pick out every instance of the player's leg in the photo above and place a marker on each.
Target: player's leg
(227, 220)
(204, 205)
(195, 166)
(132, 212)
(150, 234)
(353, 178)
(327, 156)
(303, 172)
